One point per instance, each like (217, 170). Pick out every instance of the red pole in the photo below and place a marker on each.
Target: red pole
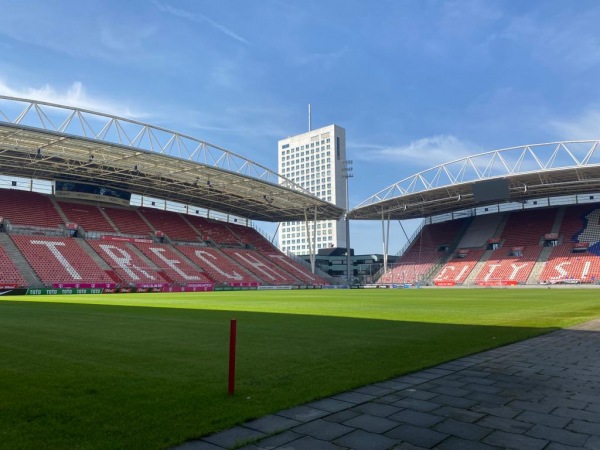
(232, 342)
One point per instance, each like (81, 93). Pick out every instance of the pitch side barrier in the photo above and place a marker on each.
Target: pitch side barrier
(383, 286)
(13, 290)
(290, 288)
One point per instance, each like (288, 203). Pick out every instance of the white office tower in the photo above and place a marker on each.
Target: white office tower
(314, 160)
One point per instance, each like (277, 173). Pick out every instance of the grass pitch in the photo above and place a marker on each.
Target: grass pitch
(150, 371)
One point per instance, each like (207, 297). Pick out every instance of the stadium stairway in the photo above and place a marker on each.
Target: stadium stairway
(58, 209)
(107, 217)
(480, 264)
(432, 273)
(19, 260)
(92, 254)
(560, 214)
(539, 265)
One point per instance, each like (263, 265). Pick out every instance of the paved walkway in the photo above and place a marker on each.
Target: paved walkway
(543, 393)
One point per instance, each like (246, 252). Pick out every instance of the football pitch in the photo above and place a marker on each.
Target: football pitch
(148, 371)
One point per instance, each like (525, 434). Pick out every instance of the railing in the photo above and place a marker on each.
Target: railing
(412, 238)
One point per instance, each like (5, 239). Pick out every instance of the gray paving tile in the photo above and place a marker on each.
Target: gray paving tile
(556, 435)
(496, 410)
(375, 390)
(341, 416)
(451, 400)
(330, 405)
(408, 446)
(416, 404)
(420, 436)
(531, 406)
(309, 443)
(303, 413)
(321, 429)
(593, 443)
(482, 388)
(276, 441)
(543, 419)
(354, 397)
(377, 409)
(488, 398)
(455, 443)
(462, 430)
(416, 418)
(514, 441)
(418, 394)
(450, 382)
(363, 440)
(388, 399)
(557, 446)
(577, 414)
(271, 424)
(463, 415)
(509, 425)
(370, 423)
(233, 437)
(481, 380)
(581, 426)
(450, 390)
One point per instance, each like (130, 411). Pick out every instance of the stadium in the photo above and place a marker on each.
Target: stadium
(95, 204)
(522, 215)
(83, 233)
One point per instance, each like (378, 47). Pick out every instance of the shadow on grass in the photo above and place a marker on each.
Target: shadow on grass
(95, 376)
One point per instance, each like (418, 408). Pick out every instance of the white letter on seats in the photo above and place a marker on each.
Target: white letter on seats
(124, 261)
(202, 255)
(59, 257)
(172, 263)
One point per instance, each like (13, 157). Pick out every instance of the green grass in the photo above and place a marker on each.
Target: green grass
(150, 371)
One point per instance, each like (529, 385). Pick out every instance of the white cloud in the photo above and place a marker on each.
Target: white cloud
(74, 95)
(425, 152)
(199, 18)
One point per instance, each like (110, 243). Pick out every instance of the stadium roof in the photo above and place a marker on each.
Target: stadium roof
(530, 171)
(54, 142)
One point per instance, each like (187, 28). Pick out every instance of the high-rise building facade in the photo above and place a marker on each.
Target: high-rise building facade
(315, 161)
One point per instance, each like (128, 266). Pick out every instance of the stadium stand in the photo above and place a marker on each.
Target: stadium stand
(128, 221)
(480, 230)
(458, 268)
(431, 245)
(521, 243)
(126, 263)
(213, 230)
(9, 273)
(580, 225)
(87, 216)
(250, 236)
(174, 266)
(573, 222)
(59, 260)
(29, 209)
(262, 267)
(170, 223)
(220, 267)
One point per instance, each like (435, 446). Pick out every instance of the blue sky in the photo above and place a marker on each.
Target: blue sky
(415, 83)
